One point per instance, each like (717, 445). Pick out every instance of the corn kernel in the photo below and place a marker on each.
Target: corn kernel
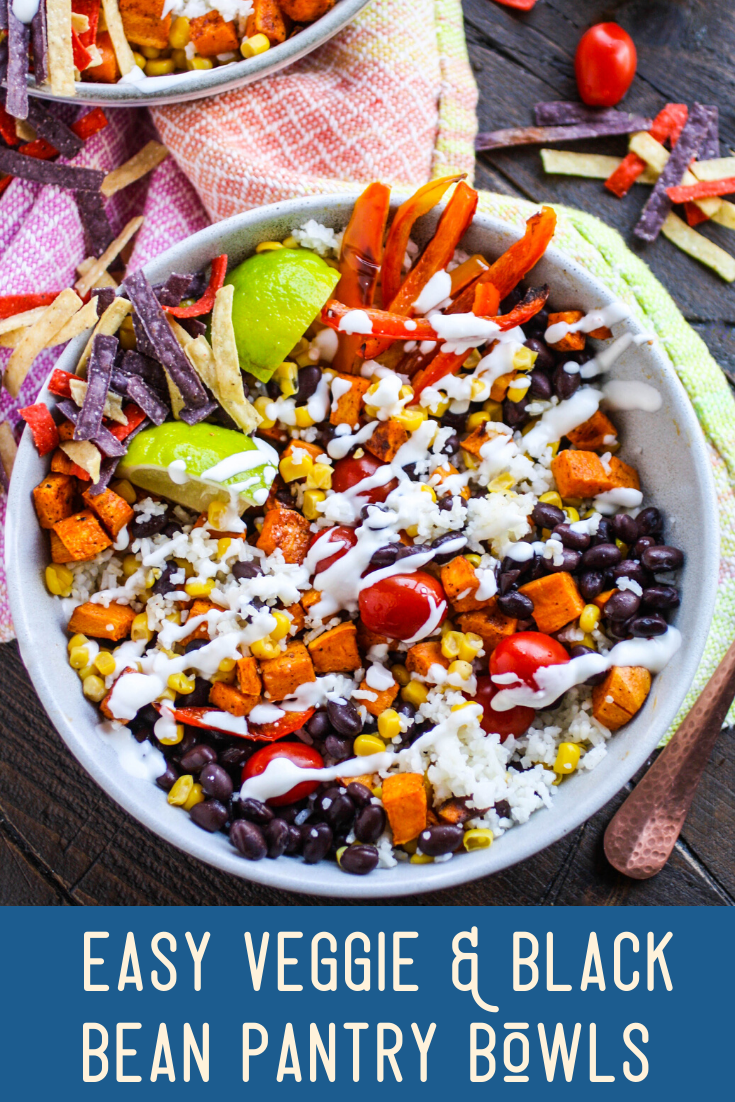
(286, 373)
(291, 243)
(175, 738)
(93, 688)
(59, 580)
(571, 505)
(589, 618)
(567, 758)
(524, 358)
(264, 649)
(196, 796)
(420, 859)
(269, 247)
(462, 669)
(261, 404)
(167, 694)
(474, 559)
(358, 453)
(256, 44)
(283, 625)
(400, 674)
(85, 672)
(412, 531)
(478, 390)
(469, 646)
(78, 657)
(179, 35)
(227, 664)
(76, 641)
(217, 514)
(476, 419)
(223, 546)
(477, 838)
(502, 482)
(459, 707)
(365, 745)
(450, 644)
(495, 409)
(130, 565)
(312, 498)
(292, 467)
(139, 630)
(152, 577)
(150, 52)
(411, 418)
(414, 693)
(473, 359)
(378, 792)
(179, 57)
(139, 60)
(338, 855)
(160, 68)
(181, 683)
(197, 62)
(304, 420)
(181, 790)
(554, 447)
(439, 407)
(199, 589)
(389, 725)
(622, 547)
(104, 663)
(551, 498)
(571, 514)
(319, 477)
(228, 677)
(517, 391)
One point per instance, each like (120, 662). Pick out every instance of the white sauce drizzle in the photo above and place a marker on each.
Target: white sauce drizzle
(561, 420)
(356, 321)
(281, 774)
(436, 290)
(596, 319)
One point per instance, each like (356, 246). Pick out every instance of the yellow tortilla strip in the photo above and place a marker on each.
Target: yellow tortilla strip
(594, 166)
(120, 45)
(20, 321)
(108, 325)
(229, 391)
(719, 168)
(24, 131)
(144, 161)
(11, 339)
(8, 448)
(85, 455)
(86, 282)
(83, 319)
(80, 23)
(699, 247)
(60, 54)
(725, 215)
(113, 402)
(37, 336)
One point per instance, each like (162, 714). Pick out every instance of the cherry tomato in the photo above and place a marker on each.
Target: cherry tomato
(349, 471)
(305, 757)
(515, 721)
(526, 652)
(402, 605)
(343, 539)
(605, 64)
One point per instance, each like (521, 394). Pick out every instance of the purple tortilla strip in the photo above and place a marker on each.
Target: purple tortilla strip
(141, 340)
(143, 396)
(197, 287)
(658, 205)
(194, 416)
(168, 350)
(194, 326)
(105, 296)
(108, 444)
(119, 382)
(536, 135)
(39, 39)
(3, 59)
(567, 112)
(174, 289)
(56, 132)
(710, 147)
(99, 370)
(3, 15)
(50, 172)
(133, 363)
(107, 469)
(19, 36)
(95, 223)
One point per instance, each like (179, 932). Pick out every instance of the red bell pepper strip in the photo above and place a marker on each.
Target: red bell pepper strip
(669, 123)
(80, 53)
(7, 128)
(265, 732)
(362, 250)
(43, 427)
(59, 382)
(703, 189)
(695, 214)
(206, 302)
(424, 200)
(4, 182)
(18, 304)
(135, 417)
(91, 123)
(40, 149)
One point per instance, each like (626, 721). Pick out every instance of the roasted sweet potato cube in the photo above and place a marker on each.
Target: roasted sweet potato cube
(61, 463)
(499, 388)
(491, 625)
(336, 650)
(66, 431)
(460, 583)
(383, 698)
(309, 599)
(58, 552)
(143, 24)
(556, 601)
(296, 613)
(82, 535)
(367, 639)
(248, 678)
(443, 486)
(306, 11)
(422, 656)
(571, 342)
(53, 499)
(404, 800)
(198, 608)
(287, 530)
(602, 598)
(479, 437)
(268, 18)
(387, 439)
(349, 404)
(580, 474)
(211, 35)
(617, 699)
(111, 509)
(113, 622)
(622, 474)
(108, 71)
(283, 675)
(228, 698)
(370, 780)
(595, 434)
(455, 810)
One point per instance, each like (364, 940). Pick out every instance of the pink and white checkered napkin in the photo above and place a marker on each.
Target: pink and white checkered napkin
(391, 97)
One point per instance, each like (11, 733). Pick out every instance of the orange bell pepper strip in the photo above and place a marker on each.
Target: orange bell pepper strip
(361, 255)
(424, 200)
(264, 732)
(516, 262)
(467, 272)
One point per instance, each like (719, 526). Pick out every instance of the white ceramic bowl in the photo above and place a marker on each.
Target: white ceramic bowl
(667, 447)
(179, 87)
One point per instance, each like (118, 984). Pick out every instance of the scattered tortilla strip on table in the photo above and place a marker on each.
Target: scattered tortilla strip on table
(53, 130)
(85, 455)
(229, 391)
(566, 112)
(98, 233)
(657, 158)
(725, 216)
(37, 337)
(143, 162)
(88, 281)
(710, 148)
(120, 45)
(8, 448)
(50, 172)
(595, 166)
(537, 135)
(108, 325)
(701, 189)
(717, 169)
(658, 205)
(60, 52)
(699, 247)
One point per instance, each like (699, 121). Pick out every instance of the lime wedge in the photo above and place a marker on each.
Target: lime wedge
(196, 464)
(277, 296)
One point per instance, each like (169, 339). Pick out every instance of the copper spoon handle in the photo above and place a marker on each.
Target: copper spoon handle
(643, 832)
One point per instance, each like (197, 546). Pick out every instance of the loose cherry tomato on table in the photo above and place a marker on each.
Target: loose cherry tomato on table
(305, 757)
(349, 471)
(515, 721)
(402, 605)
(525, 653)
(605, 64)
(343, 539)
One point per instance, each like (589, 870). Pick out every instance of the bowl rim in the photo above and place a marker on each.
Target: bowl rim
(288, 875)
(184, 87)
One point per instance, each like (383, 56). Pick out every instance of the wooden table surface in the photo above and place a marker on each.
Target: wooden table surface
(63, 842)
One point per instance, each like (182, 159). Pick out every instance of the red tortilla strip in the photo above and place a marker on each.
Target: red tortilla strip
(7, 128)
(18, 304)
(206, 302)
(703, 189)
(695, 214)
(43, 427)
(38, 148)
(669, 123)
(91, 123)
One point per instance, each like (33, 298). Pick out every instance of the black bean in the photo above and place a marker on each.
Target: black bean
(199, 697)
(648, 625)
(507, 581)
(591, 584)
(164, 584)
(570, 560)
(216, 782)
(516, 604)
(604, 555)
(309, 378)
(344, 717)
(538, 324)
(319, 725)
(365, 511)
(370, 823)
(451, 445)
(149, 527)
(545, 359)
(456, 421)
(245, 570)
(547, 516)
(384, 556)
(291, 811)
(172, 529)
(359, 860)
(234, 757)
(564, 383)
(604, 533)
(624, 528)
(276, 834)
(514, 413)
(540, 387)
(140, 733)
(661, 596)
(316, 838)
(195, 644)
(337, 809)
(404, 708)
(210, 815)
(511, 299)
(577, 541)
(248, 839)
(359, 793)
(446, 503)
(293, 845)
(502, 809)
(629, 568)
(440, 541)
(618, 629)
(196, 758)
(649, 521)
(622, 605)
(188, 742)
(438, 840)
(641, 545)
(338, 748)
(255, 811)
(662, 558)
(168, 777)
